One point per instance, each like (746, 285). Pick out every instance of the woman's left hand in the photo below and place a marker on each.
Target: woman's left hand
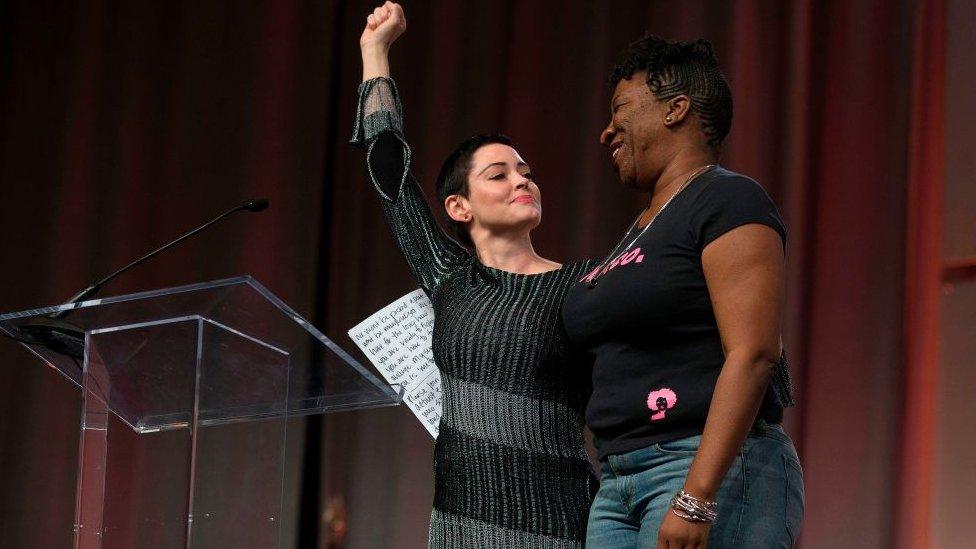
(678, 533)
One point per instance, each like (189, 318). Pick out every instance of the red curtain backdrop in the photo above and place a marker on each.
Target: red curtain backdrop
(122, 124)
(923, 276)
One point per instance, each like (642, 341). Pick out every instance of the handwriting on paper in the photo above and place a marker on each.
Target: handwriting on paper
(397, 340)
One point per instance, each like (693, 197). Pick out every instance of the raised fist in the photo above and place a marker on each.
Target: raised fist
(383, 26)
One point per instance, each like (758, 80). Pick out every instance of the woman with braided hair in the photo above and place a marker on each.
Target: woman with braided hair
(509, 466)
(684, 320)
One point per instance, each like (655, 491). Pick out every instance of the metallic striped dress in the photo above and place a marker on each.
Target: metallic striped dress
(509, 465)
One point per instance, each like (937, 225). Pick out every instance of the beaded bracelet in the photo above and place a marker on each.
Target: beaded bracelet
(693, 509)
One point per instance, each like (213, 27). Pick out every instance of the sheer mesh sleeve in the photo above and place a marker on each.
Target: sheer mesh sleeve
(429, 252)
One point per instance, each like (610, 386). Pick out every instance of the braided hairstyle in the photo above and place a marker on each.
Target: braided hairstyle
(453, 177)
(688, 68)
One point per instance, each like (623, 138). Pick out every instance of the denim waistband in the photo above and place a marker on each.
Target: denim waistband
(770, 430)
(648, 456)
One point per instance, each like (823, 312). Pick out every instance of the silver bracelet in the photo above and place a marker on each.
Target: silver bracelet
(693, 509)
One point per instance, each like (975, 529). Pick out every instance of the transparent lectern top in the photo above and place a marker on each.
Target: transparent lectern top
(311, 373)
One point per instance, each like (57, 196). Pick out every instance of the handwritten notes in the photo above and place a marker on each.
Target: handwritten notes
(397, 340)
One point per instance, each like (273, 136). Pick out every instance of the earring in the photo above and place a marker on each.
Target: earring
(668, 119)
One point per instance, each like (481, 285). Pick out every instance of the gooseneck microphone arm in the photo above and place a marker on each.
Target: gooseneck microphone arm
(62, 337)
(253, 206)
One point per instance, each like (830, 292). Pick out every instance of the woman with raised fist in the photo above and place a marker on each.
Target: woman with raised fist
(509, 466)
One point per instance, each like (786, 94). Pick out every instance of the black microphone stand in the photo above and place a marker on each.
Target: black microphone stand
(65, 338)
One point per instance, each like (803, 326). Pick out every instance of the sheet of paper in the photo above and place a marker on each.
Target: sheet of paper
(397, 340)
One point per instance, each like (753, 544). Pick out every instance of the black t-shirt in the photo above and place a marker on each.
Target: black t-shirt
(649, 321)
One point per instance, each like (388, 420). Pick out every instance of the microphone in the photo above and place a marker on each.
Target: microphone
(68, 339)
(256, 205)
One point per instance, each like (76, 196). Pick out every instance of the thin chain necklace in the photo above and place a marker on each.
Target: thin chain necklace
(616, 249)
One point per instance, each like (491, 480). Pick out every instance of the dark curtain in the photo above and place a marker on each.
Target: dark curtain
(122, 123)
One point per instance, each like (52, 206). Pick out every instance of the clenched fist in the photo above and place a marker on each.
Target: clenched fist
(383, 27)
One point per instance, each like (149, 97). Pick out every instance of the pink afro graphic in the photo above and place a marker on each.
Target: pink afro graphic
(661, 400)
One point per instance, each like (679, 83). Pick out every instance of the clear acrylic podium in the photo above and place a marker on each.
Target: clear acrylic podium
(199, 382)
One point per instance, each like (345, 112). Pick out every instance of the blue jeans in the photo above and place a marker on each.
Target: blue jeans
(760, 503)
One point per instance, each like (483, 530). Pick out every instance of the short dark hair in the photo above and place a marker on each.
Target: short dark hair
(453, 177)
(689, 68)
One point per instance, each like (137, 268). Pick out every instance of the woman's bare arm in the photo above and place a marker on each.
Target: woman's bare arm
(745, 273)
(383, 27)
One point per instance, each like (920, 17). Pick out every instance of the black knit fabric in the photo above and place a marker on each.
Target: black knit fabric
(509, 465)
